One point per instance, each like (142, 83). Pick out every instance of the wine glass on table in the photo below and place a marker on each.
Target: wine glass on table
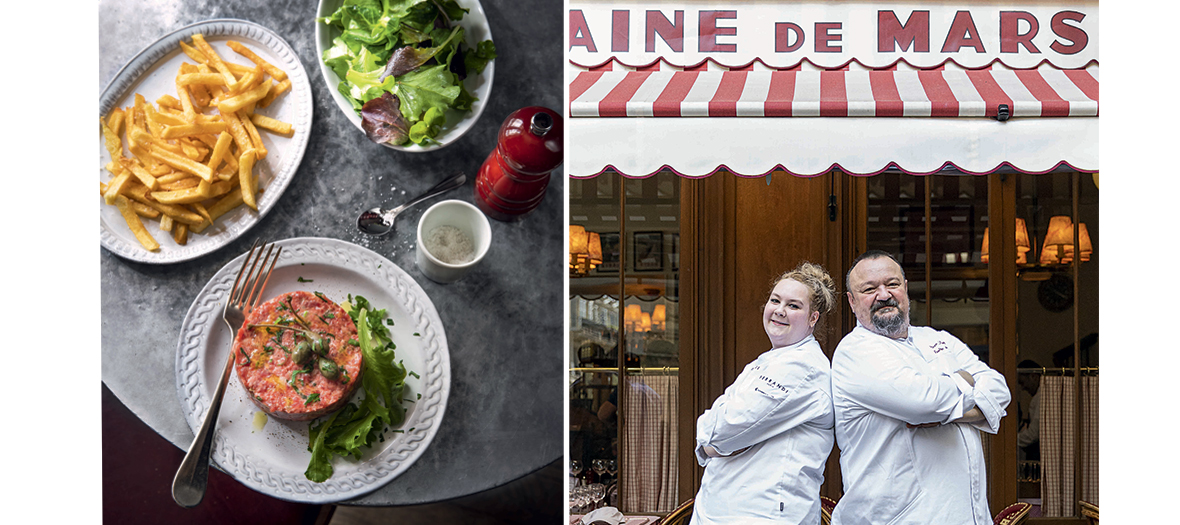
(598, 493)
(612, 468)
(599, 467)
(584, 498)
(576, 469)
(579, 497)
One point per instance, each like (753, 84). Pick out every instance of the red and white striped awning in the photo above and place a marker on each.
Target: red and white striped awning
(1045, 92)
(807, 122)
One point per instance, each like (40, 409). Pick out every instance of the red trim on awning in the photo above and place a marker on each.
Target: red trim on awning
(669, 63)
(946, 167)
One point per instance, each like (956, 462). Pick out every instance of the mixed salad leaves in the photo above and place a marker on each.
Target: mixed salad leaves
(402, 64)
(358, 426)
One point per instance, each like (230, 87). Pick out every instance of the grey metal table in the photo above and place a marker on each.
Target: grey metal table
(503, 321)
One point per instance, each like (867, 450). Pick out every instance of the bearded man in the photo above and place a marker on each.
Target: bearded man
(909, 403)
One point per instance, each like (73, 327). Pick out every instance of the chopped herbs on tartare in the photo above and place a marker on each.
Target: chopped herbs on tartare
(402, 63)
(292, 358)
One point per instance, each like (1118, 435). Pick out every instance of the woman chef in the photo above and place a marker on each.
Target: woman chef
(765, 441)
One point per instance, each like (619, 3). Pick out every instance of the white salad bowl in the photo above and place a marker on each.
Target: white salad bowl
(476, 29)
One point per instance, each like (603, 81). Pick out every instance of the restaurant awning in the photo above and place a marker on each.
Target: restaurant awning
(659, 104)
(1045, 92)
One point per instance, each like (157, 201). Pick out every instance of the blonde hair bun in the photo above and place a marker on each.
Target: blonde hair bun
(816, 279)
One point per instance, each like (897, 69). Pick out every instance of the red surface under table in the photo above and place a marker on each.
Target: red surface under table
(137, 469)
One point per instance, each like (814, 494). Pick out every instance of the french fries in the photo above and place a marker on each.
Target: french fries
(190, 157)
(276, 73)
(246, 178)
(136, 225)
(270, 124)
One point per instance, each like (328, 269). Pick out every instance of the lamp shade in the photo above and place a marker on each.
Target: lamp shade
(1087, 246)
(632, 315)
(983, 251)
(659, 317)
(659, 313)
(594, 247)
(1084, 238)
(644, 322)
(577, 240)
(1060, 231)
(1059, 247)
(1022, 244)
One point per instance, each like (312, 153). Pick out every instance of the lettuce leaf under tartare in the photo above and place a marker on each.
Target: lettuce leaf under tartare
(357, 426)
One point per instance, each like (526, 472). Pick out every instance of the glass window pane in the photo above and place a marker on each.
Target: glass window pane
(958, 277)
(595, 313)
(1056, 406)
(957, 281)
(631, 421)
(651, 390)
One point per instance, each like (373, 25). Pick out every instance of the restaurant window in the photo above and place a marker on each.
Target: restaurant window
(940, 228)
(1056, 397)
(935, 224)
(624, 337)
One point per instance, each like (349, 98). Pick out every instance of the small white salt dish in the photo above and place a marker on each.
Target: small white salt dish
(467, 219)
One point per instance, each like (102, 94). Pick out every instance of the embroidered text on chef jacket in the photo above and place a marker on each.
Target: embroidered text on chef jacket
(781, 408)
(898, 475)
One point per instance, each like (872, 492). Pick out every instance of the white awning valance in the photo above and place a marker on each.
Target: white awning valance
(755, 146)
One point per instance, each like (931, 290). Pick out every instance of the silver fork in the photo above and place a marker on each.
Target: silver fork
(188, 487)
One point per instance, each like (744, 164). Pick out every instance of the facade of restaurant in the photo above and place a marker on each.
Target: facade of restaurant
(714, 145)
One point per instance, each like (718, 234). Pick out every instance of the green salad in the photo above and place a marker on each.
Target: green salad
(357, 426)
(402, 64)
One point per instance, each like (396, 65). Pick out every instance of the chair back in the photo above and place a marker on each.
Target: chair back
(679, 516)
(1013, 514)
(1090, 511)
(826, 507)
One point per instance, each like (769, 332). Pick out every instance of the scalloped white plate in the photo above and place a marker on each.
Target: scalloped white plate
(476, 29)
(273, 460)
(152, 73)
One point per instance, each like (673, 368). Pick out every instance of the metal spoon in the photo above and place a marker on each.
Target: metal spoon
(380, 222)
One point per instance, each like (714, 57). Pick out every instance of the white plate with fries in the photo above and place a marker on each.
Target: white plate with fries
(272, 458)
(177, 194)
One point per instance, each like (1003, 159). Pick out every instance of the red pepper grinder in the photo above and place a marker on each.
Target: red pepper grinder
(513, 179)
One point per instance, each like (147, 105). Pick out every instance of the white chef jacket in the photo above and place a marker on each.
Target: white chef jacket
(781, 408)
(898, 475)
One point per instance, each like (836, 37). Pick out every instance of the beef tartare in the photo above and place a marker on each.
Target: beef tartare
(298, 356)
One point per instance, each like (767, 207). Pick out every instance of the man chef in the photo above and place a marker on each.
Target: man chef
(909, 404)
